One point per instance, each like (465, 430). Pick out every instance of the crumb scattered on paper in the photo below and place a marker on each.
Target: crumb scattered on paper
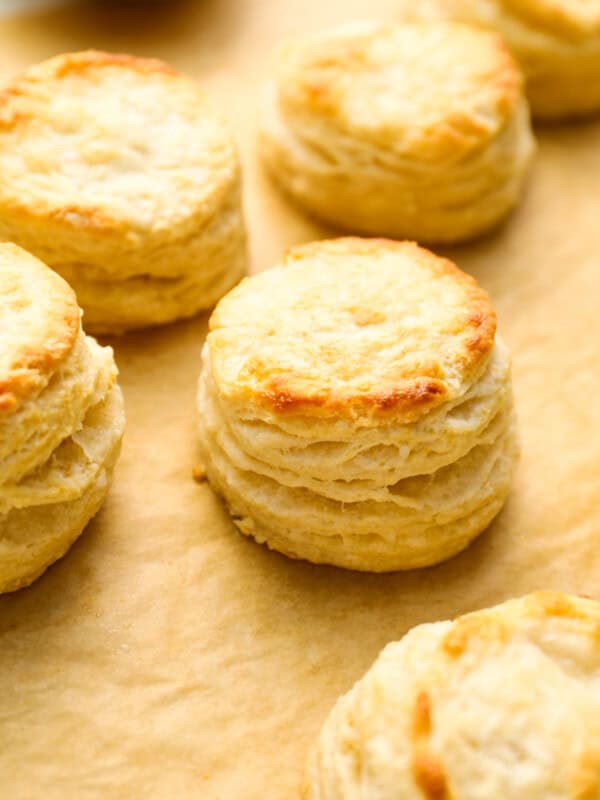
(199, 473)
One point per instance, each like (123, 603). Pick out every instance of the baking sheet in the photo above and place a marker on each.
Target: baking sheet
(168, 657)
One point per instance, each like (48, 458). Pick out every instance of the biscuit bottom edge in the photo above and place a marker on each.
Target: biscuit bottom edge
(459, 535)
(396, 547)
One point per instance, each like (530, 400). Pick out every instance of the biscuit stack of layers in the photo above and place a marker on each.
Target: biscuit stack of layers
(118, 177)
(502, 704)
(557, 42)
(61, 419)
(355, 408)
(413, 131)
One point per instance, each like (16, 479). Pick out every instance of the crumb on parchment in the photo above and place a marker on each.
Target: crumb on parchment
(199, 473)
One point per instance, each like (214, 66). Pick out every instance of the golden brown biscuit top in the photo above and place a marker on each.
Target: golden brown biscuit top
(111, 143)
(577, 18)
(352, 328)
(39, 322)
(428, 91)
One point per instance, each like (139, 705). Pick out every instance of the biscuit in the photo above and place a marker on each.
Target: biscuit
(416, 131)
(356, 408)
(61, 419)
(117, 176)
(500, 703)
(557, 43)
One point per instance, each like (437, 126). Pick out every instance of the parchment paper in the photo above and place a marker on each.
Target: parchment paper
(168, 657)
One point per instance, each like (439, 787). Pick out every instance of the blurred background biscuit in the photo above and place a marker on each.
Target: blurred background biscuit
(61, 419)
(416, 131)
(356, 408)
(557, 43)
(500, 703)
(117, 176)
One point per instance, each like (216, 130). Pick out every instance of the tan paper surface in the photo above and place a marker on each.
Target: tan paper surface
(167, 657)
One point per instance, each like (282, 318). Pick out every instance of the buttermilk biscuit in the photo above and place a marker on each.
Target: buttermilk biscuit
(557, 43)
(355, 408)
(501, 704)
(419, 130)
(117, 176)
(61, 419)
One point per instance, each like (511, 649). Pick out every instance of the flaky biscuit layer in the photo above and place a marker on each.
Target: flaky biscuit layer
(60, 436)
(117, 305)
(376, 525)
(46, 512)
(29, 436)
(51, 508)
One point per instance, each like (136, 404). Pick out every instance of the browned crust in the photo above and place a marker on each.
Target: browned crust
(11, 117)
(508, 84)
(509, 80)
(555, 605)
(29, 366)
(422, 716)
(427, 769)
(66, 64)
(92, 219)
(14, 112)
(482, 319)
(415, 395)
(476, 626)
(429, 776)
(550, 604)
(34, 360)
(79, 62)
(490, 626)
(458, 131)
(27, 373)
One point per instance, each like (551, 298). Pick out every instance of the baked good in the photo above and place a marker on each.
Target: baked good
(500, 703)
(117, 176)
(416, 131)
(557, 43)
(61, 419)
(356, 408)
